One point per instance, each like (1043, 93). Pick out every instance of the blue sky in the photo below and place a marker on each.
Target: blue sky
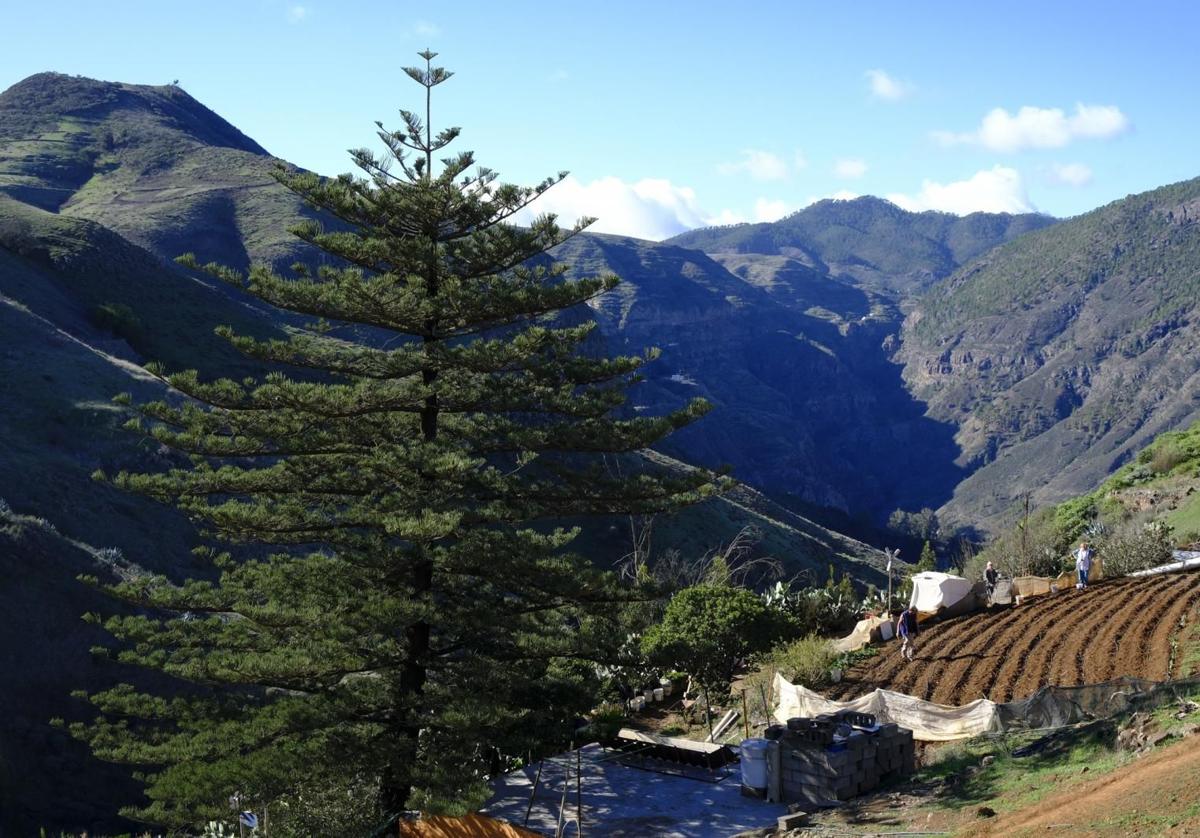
(672, 115)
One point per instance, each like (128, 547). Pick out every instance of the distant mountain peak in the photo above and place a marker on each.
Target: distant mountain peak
(38, 102)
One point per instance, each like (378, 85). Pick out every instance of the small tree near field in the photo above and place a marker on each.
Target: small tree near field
(708, 630)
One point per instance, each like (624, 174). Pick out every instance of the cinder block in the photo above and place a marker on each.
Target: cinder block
(792, 821)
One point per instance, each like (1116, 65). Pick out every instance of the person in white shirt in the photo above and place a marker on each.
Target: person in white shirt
(1083, 564)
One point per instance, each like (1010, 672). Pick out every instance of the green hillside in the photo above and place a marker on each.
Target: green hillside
(1060, 355)
(150, 163)
(1161, 484)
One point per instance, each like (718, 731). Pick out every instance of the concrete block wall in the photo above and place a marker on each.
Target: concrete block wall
(837, 758)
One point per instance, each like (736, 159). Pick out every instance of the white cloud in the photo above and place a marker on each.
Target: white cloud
(295, 14)
(1069, 174)
(885, 87)
(425, 29)
(758, 164)
(766, 209)
(850, 167)
(998, 189)
(724, 218)
(799, 161)
(1033, 127)
(652, 208)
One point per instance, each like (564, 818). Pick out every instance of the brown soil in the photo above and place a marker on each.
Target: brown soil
(1116, 627)
(1155, 795)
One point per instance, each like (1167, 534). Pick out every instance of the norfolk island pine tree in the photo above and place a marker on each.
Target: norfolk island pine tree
(395, 600)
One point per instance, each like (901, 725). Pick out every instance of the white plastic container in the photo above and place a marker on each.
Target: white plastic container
(658, 693)
(648, 694)
(666, 687)
(754, 763)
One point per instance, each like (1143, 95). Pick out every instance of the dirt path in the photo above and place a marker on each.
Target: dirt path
(1154, 795)
(1115, 628)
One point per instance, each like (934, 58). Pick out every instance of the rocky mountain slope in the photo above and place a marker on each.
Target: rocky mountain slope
(1061, 354)
(796, 361)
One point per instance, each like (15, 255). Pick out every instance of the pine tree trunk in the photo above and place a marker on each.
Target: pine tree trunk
(396, 781)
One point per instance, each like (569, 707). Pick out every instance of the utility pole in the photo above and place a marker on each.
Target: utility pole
(891, 554)
(1025, 537)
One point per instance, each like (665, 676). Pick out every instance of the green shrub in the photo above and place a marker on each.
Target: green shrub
(708, 630)
(805, 661)
(119, 319)
(1137, 544)
(1166, 457)
(606, 720)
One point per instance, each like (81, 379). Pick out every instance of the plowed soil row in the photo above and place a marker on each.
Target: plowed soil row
(1116, 627)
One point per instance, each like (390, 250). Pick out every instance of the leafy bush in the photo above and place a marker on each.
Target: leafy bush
(605, 721)
(806, 661)
(1166, 457)
(1137, 544)
(119, 319)
(708, 630)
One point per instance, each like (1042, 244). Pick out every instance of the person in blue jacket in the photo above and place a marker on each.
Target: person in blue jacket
(906, 630)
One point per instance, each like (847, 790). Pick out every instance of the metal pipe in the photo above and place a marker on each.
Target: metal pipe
(532, 793)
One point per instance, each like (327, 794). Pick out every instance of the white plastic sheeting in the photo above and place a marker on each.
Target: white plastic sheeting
(933, 590)
(865, 631)
(1185, 560)
(929, 722)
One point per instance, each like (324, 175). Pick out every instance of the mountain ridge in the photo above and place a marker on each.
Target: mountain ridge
(1062, 354)
(870, 239)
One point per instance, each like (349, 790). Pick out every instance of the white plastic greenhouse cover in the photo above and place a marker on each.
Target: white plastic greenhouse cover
(933, 590)
(929, 722)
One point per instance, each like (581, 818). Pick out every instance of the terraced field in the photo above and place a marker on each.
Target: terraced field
(1117, 627)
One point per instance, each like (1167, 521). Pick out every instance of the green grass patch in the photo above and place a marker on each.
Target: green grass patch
(1184, 520)
(1011, 782)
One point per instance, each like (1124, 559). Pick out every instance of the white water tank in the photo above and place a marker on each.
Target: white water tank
(754, 763)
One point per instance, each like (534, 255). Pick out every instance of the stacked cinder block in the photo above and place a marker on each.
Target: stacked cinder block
(836, 757)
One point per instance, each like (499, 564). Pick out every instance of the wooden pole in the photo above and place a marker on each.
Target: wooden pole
(708, 715)
(766, 703)
(532, 792)
(890, 556)
(1024, 535)
(562, 804)
(745, 714)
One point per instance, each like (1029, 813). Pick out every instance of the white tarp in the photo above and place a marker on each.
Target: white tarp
(1184, 560)
(929, 722)
(933, 590)
(865, 631)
